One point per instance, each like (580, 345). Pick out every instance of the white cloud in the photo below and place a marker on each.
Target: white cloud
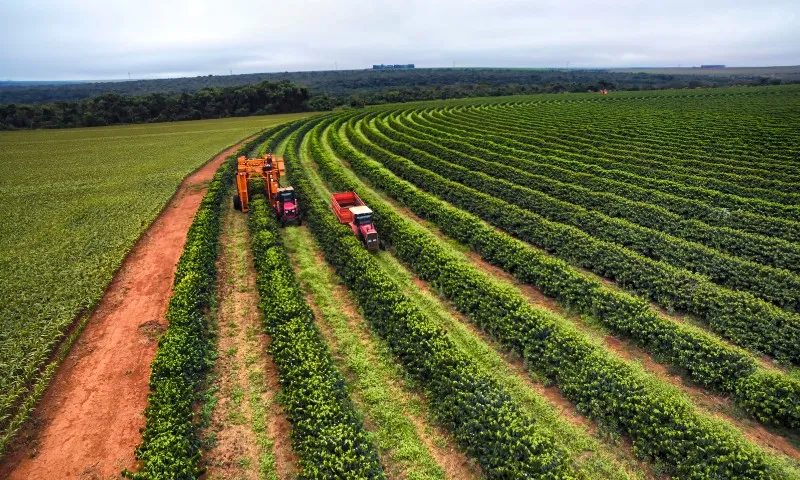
(54, 39)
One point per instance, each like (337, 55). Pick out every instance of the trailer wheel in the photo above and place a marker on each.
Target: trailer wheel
(237, 203)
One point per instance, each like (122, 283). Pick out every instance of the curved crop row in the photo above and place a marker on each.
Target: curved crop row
(703, 134)
(561, 203)
(662, 424)
(605, 195)
(771, 397)
(279, 136)
(536, 141)
(328, 435)
(770, 190)
(738, 316)
(661, 157)
(483, 419)
(687, 208)
(603, 141)
(776, 170)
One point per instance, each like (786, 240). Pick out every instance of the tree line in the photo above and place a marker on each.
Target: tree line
(192, 98)
(342, 84)
(113, 108)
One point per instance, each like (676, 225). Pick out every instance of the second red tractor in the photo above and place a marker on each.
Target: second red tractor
(350, 209)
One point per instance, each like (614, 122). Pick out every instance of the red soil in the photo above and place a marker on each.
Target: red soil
(88, 422)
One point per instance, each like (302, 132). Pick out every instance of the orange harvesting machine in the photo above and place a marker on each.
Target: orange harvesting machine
(269, 168)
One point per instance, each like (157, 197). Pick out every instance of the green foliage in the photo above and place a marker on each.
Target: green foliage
(331, 89)
(681, 165)
(705, 359)
(598, 213)
(372, 375)
(778, 198)
(483, 419)
(602, 386)
(170, 447)
(748, 221)
(112, 109)
(328, 435)
(604, 186)
(531, 193)
(739, 316)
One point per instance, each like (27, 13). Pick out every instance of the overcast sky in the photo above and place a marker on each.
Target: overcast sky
(107, 39)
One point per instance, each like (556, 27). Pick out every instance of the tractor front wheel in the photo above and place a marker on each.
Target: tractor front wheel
(237, 203)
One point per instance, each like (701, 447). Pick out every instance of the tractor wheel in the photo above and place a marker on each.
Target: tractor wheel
(237, 203)
(283, 223)
(382, 245)
(299, 222)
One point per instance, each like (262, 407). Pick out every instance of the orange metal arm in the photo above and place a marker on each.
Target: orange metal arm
(269, 168)
(241, 186)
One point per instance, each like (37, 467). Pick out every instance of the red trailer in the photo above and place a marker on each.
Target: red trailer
(350, 209)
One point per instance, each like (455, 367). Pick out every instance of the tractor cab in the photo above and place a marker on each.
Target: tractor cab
(362, 221)
(286, 205)
(287, 194)
(364, 218)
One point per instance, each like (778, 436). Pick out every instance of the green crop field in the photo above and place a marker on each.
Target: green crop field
(668, 221)
(789, 72)
(570, 286)
(72, 203)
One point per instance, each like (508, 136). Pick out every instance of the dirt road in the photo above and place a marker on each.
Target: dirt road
(87, 424)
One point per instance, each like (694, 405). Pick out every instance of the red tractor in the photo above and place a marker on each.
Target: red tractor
(286, 206)
(351, 210)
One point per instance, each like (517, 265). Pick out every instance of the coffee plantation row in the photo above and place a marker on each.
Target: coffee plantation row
(728, 312)
(422, 167)
(338, 142)
(170, 446)
(687, 207)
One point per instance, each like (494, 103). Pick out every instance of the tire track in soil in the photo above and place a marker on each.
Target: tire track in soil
(249, 433)
(88, 423)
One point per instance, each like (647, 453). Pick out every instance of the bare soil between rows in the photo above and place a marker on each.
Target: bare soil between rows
(88, 423)
(244, 369)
